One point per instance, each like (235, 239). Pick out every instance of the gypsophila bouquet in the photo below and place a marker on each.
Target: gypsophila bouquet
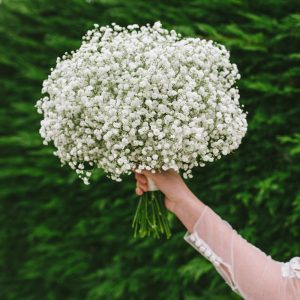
(142, 98)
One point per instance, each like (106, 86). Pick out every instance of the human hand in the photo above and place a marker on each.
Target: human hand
(169, 182)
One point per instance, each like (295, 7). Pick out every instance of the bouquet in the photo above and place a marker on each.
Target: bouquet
(142, 98)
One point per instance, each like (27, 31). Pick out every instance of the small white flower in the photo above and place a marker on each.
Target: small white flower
(141, 94)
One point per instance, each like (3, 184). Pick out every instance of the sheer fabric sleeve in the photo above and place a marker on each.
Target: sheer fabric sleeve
(246, 269)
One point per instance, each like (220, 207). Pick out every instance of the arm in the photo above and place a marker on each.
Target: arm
(246, 269)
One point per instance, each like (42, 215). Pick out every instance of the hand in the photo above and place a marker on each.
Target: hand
(169, 182)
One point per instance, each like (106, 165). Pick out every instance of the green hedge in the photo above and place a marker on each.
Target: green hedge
(60, 239)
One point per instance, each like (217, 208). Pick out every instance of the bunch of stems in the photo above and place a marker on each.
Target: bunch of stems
(150, 218)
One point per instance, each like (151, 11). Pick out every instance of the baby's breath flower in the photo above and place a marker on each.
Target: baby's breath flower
(143, 97)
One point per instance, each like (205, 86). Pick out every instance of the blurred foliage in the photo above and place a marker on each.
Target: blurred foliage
(63, 240)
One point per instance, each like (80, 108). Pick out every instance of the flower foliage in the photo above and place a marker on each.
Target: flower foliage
(144, 98)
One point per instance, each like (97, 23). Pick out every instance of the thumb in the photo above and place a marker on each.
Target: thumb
(155, 177)
(152, 180)
(144, 172)
(147, 173)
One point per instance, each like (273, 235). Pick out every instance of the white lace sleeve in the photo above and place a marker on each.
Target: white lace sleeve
(246, 269)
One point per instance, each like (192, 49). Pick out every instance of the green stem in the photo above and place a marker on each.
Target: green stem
(136, 217)
(167, 229)
(150, 218)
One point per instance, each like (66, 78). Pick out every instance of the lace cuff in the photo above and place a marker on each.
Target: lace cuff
(291, 269)
(248, 271)
(196, 242)
(222, 267)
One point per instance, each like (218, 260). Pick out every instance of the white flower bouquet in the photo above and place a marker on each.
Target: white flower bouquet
(142, 98)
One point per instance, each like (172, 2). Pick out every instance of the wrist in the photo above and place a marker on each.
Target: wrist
(188, 210)
(187, 200)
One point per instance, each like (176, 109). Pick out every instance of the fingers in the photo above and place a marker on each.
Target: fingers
(140, 178)
(138, 191)
(141, 188)
(142, 183)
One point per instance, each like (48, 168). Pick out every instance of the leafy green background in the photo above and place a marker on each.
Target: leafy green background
(60, 239)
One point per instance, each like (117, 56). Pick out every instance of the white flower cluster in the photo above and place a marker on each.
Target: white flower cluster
(144, 98)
